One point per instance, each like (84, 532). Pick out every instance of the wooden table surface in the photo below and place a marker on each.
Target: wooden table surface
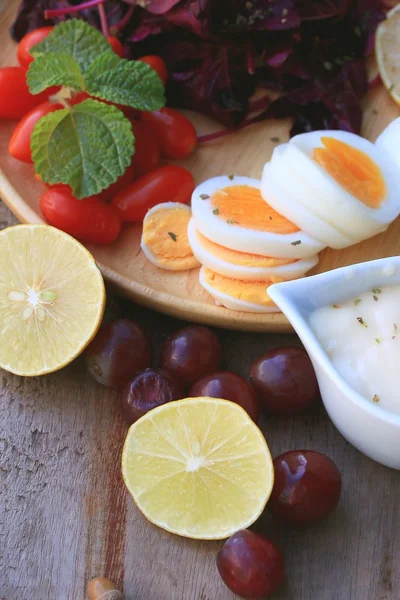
(66, 517)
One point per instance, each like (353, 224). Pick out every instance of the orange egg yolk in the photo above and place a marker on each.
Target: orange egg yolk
(352, 169)
(244, 259)
(243, 205)
(247, 291)
(165, 235)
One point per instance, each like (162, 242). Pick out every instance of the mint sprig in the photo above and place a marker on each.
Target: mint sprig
(89, 145)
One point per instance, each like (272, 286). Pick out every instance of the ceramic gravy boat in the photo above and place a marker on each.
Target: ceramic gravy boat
(370, 428)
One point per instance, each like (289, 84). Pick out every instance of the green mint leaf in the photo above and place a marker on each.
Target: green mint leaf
(76, 38)
(87, 147)
(54, 69)
(127, 82)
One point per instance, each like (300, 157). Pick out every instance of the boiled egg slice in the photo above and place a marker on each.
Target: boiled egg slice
(164, 238)
(388, 141)
(291, 198)
(230, 211)
(243, 265)
(246, 296)
(351, 184)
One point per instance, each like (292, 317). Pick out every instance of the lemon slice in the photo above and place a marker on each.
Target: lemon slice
(387, 50)
(51, 299)
(198, 467)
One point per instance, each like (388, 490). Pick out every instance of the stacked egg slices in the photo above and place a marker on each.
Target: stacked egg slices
(244, 245)
(324, 188)
(338, 187)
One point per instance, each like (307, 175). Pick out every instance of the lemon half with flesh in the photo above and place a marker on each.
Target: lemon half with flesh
(198, 467)
(387, 51)
(51, 299)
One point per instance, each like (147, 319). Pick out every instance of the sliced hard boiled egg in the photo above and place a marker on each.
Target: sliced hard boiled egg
(246, 296)
(164, 238)
(231, 212)
(350, 184)
(290, 198)
(389, 141)
(243, 265)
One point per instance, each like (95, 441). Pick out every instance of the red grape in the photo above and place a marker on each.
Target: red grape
(191, 353)
(307, 487)
(149, 389)
(285, 380)
(119, 350)
(250, 565)
(230, 386)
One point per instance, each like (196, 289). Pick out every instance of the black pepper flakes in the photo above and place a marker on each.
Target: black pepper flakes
(231, 177)
(216, 211)
(172, 236)
(204, 196)
(362, 322)
(296, 243)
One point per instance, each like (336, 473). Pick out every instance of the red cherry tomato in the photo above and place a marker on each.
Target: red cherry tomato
(89, 220)
(175, 133)
(116, 45)
(121, 184)
(19, 145)
(147, 150)
(165, 184)
(15, 97)
(156, 63)
(28, 41)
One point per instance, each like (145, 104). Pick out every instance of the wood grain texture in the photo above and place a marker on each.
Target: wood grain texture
(179, 294)
(65, 516)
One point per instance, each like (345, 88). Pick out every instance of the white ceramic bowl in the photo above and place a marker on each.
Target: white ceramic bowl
(370, 428)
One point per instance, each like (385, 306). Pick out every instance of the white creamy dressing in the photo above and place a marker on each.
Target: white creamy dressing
(362, 339)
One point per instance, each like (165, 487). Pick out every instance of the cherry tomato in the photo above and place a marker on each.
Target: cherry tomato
(121, 184)
(89, 220)
(175, 133)
(28, 41)
(156, 63)
(147, 150)
(116, 45)
(20, 143)
(165, 184)
(15, 97)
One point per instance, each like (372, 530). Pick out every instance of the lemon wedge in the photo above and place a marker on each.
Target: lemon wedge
(51, 299)
(387, 51)
(198, 467)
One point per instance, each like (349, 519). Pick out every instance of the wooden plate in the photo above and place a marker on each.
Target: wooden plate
(180, 294)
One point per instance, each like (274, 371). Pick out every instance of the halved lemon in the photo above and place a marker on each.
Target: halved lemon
(51, 299)
(387, 50)
(198, 467)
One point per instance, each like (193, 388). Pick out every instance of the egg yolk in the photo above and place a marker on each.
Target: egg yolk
(165, 235)
(352, 169)
(247, 291)
(241, 258)
(243, 205)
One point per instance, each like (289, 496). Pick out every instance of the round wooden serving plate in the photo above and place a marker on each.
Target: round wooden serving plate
(180, 294)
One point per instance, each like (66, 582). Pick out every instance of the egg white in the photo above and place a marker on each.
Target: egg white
(328, 199)
(233, 303)
(265, 243)
(389, 141)
(245, 273)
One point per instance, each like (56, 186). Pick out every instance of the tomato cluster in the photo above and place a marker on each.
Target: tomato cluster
(145, 183)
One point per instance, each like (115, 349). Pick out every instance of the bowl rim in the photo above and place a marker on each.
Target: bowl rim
(279, 294)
